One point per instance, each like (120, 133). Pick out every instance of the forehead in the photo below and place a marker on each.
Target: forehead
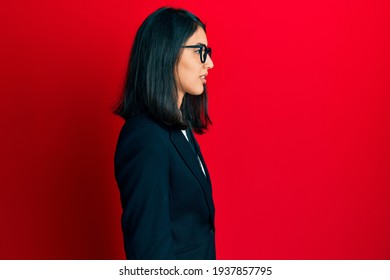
(199, 37)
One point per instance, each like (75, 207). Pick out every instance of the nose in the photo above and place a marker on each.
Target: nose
(208, 63)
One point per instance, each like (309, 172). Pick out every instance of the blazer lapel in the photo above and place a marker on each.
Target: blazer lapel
(185, 151)
(201, 158)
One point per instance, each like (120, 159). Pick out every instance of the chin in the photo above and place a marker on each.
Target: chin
(196, 92)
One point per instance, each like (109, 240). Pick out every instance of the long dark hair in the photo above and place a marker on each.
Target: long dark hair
(150, 81)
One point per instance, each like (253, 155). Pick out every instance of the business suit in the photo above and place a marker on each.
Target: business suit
(168, 210)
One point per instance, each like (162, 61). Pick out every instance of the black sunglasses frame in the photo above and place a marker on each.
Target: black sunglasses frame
(203, 49)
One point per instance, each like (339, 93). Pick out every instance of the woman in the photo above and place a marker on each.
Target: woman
(165, 187)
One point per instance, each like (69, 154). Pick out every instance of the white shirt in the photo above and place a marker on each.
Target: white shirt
(200, 162)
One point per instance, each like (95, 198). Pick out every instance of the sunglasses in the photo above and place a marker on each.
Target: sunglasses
(203, 51)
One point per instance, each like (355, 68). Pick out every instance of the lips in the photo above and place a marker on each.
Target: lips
(203, 78)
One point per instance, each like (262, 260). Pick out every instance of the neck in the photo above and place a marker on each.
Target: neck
(180, 96)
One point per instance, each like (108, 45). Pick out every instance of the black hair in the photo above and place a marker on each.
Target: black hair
(150, 80)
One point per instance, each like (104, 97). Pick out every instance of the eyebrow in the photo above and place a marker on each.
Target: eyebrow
(200, 43)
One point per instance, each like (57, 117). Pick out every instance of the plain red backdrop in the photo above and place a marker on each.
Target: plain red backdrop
(299, 151)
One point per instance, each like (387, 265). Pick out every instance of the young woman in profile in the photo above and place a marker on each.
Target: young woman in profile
(164, 184)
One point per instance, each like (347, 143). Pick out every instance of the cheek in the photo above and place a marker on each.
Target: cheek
(189, 75)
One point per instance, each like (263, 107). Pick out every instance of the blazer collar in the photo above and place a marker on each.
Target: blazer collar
(183, 147)
(197, 148)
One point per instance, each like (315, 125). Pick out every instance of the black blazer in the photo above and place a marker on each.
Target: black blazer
(168, 210)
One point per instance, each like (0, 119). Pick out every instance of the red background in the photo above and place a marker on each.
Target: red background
(299, 151)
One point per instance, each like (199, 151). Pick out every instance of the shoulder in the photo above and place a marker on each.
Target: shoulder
(143, 125)
(140, 131)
